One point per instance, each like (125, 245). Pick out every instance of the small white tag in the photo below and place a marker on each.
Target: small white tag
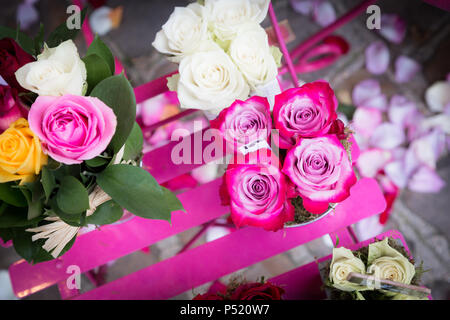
(269, 90)
(254, 146)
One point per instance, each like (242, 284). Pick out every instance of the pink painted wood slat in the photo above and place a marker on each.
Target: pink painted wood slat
(237, 250)
(111, 242)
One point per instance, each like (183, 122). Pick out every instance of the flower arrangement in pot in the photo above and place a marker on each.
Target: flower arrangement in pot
(69, 146)
(304, 172)
(228, 70)
(383, 270)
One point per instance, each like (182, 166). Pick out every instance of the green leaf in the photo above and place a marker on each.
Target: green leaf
(24, 41)
(62, 33)
(75, 220)
(117, 93)
(12, 195)
(347, 109)
(65, 170)
(48, 182)
(39, 40)
(99, 48)
(6, 234)
(17, 217)
(97, 162)
(137, 191)
(34, 193)
(134, 144)
(106, 213)
(96, 69)
(72, 196)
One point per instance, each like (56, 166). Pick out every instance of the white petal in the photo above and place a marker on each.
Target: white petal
(365, 90)
(401, 110)
(366, 120)
(396, 172)
(302, 6)
(323, 13)
(371, 161)
(438, 96)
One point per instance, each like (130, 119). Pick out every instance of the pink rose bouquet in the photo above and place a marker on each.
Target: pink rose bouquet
(313, 170)
(70, 148)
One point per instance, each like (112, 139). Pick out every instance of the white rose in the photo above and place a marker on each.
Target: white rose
(226, 16)
(57, 71)
(250, 51)
(209, 81)
(183, 32)
(386, 263)
(342, 264)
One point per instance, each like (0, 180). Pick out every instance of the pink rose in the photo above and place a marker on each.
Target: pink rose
(304, 112)
(72, 128)
(258, 194)
(11, 108)
(321, 171)
(244, 122)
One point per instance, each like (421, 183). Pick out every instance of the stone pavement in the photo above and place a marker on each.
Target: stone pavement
(422, 218)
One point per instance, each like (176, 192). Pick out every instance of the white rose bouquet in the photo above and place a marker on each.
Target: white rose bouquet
(384, 260)
(222, 51)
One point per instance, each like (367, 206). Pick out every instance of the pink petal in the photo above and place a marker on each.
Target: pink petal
(3, 82)
(401, 110)
(26, 15)
(368, 94)
(302, 6)
(393, 28)
(426, 179)
(377, 57)
(396, 172)
(429, 148)
(366, 120)
(371, 161)
(323, 13)
(369, 227)
(405, 69)
(387, 136)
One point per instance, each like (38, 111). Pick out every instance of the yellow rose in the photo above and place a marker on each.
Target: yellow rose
(342, 264)
(21, 156)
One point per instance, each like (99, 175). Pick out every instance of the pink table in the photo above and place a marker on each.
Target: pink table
(225, 255)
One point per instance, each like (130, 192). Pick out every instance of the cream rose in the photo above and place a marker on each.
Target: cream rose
(57, 71)
(342, 264)
(250, 51)
(226, 16)
(183, 32)
(400, 296)
(209, 81)
(386, 263)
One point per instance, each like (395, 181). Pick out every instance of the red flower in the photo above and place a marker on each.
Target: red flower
(208, 296)
(338, 128)
(257, 291)
(11, 107)
(12, 57)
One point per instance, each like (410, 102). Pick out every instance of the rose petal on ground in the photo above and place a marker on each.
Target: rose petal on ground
(323, 13)
(393, 28)
(27, 14)
(429, 148)
(302, 6)
(366, 120)
(401, 110)
(437, 96)
(377, 57)
(365, 90)
(387, 136)
(405, 69)
(371, 161)
(425, 179)
(396, 172)
(368, 228)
